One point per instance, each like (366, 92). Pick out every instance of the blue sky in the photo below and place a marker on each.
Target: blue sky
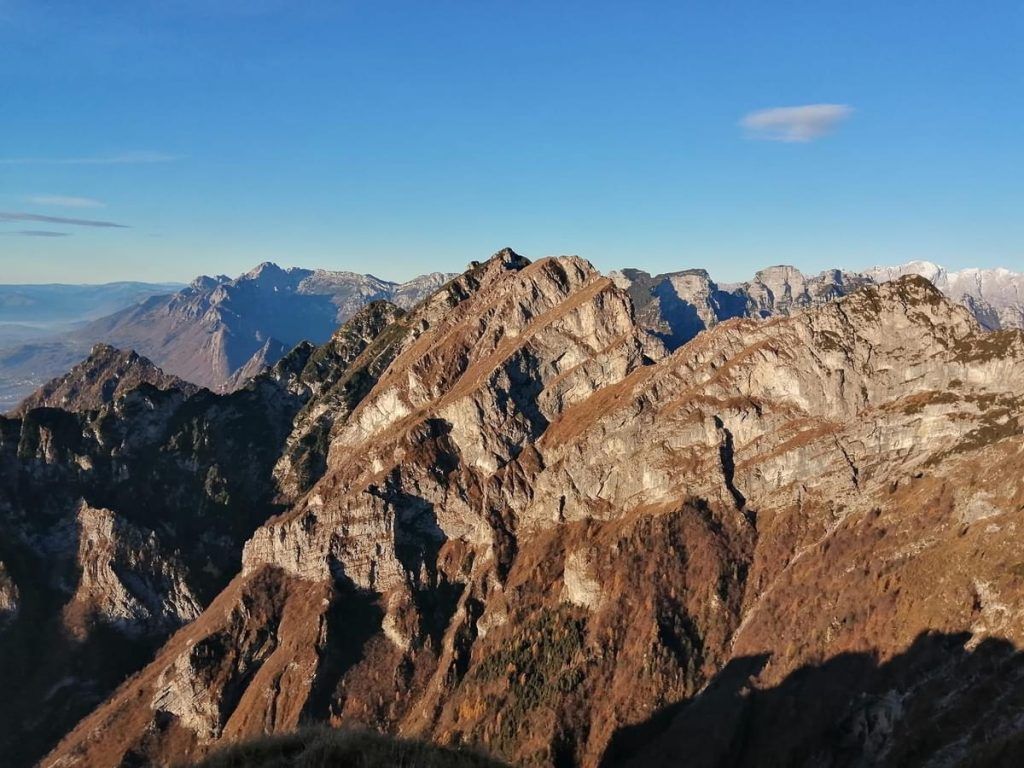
(402, 137)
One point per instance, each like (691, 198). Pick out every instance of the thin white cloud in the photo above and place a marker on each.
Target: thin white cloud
(795, 124)
(123, 158)
(36, 233)
(36, 217)
(65, 201)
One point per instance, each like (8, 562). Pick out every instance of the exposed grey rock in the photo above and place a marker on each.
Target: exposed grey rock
(126, 579)
(9, 597)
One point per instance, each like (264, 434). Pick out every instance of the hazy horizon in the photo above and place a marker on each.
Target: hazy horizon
(710, 269)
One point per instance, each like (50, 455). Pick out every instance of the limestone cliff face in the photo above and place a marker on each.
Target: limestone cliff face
(513, 519)
(126, 579)
(8, 597)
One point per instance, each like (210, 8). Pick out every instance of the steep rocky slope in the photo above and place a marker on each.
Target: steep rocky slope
(105, 375)
(514, 520)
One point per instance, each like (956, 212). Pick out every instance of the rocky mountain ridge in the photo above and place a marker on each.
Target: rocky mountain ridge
(510, 517)
(219, 332)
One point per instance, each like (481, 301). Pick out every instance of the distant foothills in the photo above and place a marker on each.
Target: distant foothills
(219, 332)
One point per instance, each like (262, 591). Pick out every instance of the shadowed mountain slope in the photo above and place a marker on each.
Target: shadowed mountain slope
(942, 701)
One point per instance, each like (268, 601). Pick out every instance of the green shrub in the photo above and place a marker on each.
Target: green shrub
(331, 748)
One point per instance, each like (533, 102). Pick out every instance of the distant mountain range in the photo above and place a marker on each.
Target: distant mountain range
(677, 306)
(217, 328)
(216, 332)
(994, 296)
(219, 332)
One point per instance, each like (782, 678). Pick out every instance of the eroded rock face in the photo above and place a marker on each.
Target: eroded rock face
(126, 579)
(120, 524)
(9, 596)
(533, 529)
(337, 375)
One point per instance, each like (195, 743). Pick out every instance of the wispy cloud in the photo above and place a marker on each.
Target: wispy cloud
(36, 233)
(122, 158)
(19, 216)
(795, 124)
(65, 201)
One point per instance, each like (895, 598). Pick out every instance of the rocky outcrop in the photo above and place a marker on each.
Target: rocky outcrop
(531, 528)
(102, 377)
(126, 579)
(9, 597)
(118, 525)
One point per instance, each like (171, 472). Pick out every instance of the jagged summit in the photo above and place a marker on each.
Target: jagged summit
(264, 269)
(107, 373)
(506, 257)
(205, 282)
